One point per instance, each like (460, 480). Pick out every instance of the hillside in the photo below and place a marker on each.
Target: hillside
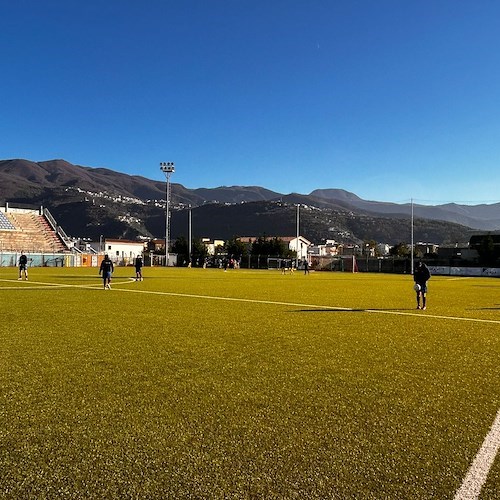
(485, 217)
(89, 202)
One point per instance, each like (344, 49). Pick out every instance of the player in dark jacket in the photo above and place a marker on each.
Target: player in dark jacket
(106, 270)
(23, 266)
(138, 268)
(421, 276)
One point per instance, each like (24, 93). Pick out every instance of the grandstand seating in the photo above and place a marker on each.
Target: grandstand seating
(5, 223)
(29, 231)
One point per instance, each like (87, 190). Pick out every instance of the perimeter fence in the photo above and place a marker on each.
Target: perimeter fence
(41, 259)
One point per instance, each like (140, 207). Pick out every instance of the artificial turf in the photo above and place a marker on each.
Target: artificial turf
(200, 383)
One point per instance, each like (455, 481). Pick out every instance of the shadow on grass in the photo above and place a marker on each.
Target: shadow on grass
(347, 309)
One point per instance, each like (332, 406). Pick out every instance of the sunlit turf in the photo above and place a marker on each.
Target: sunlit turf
(244, 384)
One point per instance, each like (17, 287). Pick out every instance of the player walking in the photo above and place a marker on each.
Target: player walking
(106, 270)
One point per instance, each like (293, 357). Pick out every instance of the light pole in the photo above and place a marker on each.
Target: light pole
(298, 234)
(412, 243)
(167, 167)
(190, 236)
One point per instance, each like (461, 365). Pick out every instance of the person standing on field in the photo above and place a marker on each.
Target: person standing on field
(138, 268)
(23, 266)
(421, 276)
(306, 266)
(106, 270)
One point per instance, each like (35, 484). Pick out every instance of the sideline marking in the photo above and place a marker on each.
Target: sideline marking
(256, 301)
(480, 467)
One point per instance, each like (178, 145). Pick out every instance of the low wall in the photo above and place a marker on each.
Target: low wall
(11, 259)
(465, 271)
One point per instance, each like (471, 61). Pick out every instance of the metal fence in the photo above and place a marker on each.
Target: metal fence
(11, 259)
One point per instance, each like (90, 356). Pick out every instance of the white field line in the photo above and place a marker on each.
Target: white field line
(435, 316)
(478, 471)
(257, 301)
(41, 285)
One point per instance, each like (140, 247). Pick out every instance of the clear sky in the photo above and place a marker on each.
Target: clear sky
(388, 99)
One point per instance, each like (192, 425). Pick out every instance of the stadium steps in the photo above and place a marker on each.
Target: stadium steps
(31, 233)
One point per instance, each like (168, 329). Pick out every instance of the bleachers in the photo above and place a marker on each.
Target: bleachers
(29, 231)
(5, 223)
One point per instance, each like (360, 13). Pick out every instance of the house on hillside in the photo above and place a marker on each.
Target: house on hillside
(330, 249)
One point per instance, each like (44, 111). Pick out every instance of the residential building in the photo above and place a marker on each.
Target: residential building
(121, 252)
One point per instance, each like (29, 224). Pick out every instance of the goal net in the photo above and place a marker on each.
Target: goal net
(343, 263)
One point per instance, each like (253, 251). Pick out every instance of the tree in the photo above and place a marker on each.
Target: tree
(180, 247)
(400, 250)
(488, 254)
(199, 252)
(236, 248)
(419, 253)
(275, 247)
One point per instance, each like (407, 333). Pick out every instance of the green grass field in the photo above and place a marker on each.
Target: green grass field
(204, 384)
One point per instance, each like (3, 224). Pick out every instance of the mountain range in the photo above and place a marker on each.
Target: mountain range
(90, 202)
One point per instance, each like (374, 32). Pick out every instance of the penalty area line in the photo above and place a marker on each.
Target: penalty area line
(480, 467)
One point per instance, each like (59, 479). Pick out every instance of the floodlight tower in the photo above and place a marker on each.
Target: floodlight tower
(190, 235)
(298, 234)
(412, 242)
(168, 168)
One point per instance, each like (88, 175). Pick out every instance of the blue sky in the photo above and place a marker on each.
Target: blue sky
(389, 99)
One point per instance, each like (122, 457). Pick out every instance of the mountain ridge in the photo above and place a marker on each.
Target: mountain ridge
(132, 205)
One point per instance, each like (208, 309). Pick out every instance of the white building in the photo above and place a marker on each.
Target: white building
(121, 252)
(212, 245)
(299, 245)
(330, 249)
(383, 248)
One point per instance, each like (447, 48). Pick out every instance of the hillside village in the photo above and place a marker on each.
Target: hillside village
(92, 210)
(36, 232)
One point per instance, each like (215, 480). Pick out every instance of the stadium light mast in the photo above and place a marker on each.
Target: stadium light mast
(190, 235)
(168, 168)
(411, 249)
(298, 234)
